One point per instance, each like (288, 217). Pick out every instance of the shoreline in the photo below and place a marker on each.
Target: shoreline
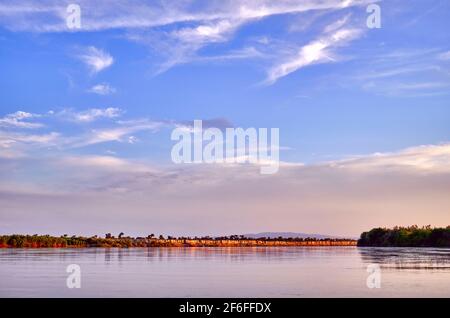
(76, 242)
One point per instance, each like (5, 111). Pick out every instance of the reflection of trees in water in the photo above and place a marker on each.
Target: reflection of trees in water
(63, 255)
(228, 254)
(406, 258)
(222, 253)
(108, 255)
(238, 254)
(153, 254)
(386, 257)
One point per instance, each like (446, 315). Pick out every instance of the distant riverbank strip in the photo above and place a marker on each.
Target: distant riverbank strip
(47, 241)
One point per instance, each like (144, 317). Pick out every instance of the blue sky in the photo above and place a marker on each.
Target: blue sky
(114, 89)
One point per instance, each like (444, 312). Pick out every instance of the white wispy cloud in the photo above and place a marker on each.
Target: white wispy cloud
(175, 31)
(105, 163)
(422, 85)
(337, 24)
(87, 131)
(121, 133)
(96, 59)
(211, 32)
(18, 120)
(395, 71)
(182, 44)
(15, 134)
(407, 89)
(317, 51)
(426, 158)
(19, 144)
(91, 114)
(444, 56)
(243, 53)
(401, 73)
(42, 139)
(102, 89)
(49, 16)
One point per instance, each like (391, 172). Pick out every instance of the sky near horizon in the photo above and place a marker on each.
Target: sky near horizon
(86, 115)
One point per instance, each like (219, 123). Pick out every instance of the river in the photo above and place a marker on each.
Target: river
(227, 272)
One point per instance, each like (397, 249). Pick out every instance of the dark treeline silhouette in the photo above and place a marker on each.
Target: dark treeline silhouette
(46, 241)
(412, 236)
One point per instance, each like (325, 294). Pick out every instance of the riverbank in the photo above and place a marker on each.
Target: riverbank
(412, 236)
(46, 241)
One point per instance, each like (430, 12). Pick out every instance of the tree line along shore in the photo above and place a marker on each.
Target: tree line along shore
(412, 236)
(47, 241)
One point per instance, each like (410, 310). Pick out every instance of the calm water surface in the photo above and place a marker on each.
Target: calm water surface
(226, 272)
